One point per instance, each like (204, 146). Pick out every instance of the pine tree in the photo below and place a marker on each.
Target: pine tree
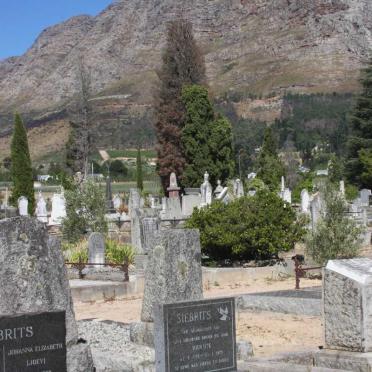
(206, 139)
(21, 169)
(359, 162)
(139, 175)
(269, 167)
(183, 64)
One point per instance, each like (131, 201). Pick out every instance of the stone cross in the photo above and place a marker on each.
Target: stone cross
(41, 211)
(96, 249)
(23, 206)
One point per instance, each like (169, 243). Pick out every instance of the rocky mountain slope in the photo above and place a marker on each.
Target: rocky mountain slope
(251, 46)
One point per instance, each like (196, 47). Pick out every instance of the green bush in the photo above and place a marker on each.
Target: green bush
(256, 227)
(117, 253)
(74, 252)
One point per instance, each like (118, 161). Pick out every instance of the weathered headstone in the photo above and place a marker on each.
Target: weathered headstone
(287, 196)
(347, 302)
(96, 249)
(117, 201)
(58, 209)
(196, 336)
(37, 281)
(149, 226)
(173, 271)
(238, 188)
(305, 201)
(134, 200)
(173, 189)
(33, 342)
(218, 189)
(189, 202)
(364, 196)
(41, 210)
(23, 206)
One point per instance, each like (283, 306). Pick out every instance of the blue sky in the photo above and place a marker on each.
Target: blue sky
(21, 21)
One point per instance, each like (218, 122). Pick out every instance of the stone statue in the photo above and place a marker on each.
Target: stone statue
(206, 191)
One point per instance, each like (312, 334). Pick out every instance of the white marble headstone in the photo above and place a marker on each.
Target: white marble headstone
(23, 206)
(58, 209)
(41, 210)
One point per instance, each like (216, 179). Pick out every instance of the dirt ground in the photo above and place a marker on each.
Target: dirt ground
(270, 333)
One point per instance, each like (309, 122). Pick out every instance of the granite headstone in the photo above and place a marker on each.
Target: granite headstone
(96, 249)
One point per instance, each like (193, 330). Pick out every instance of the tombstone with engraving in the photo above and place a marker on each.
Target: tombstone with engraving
(23, 206)
(38, 314)
(58, 209)
(96, 249)
(196, 336)
(41, 210)
(347, 302)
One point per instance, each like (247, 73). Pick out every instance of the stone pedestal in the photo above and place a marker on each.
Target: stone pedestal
(347, 304)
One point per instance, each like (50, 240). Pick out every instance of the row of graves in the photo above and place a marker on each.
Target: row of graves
(39, 332)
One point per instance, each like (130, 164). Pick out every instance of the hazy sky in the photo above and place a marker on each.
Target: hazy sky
(21, 21)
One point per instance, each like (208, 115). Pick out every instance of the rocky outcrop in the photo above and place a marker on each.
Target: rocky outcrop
(256, 46)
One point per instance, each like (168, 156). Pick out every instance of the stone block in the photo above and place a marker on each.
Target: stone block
(142, 333)
(173, 271)
(244, 350)
(33, 279)
(347, 304)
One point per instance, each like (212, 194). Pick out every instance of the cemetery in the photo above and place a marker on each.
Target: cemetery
(252, 249)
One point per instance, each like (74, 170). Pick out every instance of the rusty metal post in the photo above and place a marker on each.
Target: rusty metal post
(80, 268)
(297, 272)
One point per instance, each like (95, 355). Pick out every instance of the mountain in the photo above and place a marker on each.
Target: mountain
(251, 47)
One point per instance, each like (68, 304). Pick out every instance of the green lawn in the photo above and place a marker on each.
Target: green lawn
(131, 153)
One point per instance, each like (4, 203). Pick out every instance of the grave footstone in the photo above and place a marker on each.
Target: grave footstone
(197, 336)
(347, 303)
(96, 249)
(36, 282)
(173, 272)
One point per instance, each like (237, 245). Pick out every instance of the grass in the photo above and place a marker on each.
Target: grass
(131, 153)
(151, 187)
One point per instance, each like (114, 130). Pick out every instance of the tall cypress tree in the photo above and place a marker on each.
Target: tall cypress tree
(206, 139)
(269, 167)
(359, 161)
(183, 64)
(21, 170)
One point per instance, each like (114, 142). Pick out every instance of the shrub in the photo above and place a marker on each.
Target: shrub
(256, 227)
(119, 253)
(74, 252)
(335, 235)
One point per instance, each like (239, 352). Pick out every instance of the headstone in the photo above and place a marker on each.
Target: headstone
(364, 196)
(189, 202)
(196, 336)
(173, 209)
(316, 206)
(251, 176)
(305, 201)
(23, 206)
(287, 196)
(342, 188)
(252, 192)
(347, 302)
(36, 282)
(173, 271)
(117, 201)
(96, 249)
(282, 186)
(134, 200)
(33, 342)
(238, 188)
(149, 225)
(109, 203)
(223, 195)
(173, 189)
(58, 209)
(135, 231)
(206, 191)
(41, 210)
(218, 189)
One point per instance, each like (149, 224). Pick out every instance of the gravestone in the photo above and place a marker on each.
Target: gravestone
(33, 342)
(305, 201)
(218, 189)
(23, 206)
(117, 202)
(287, 196)
(149, 226)
(37, 281)
(173, 189)
(134, 200)
(173, 209)
(196, 336)
(109, 203)
(41, 210)
(189, 202)
(347, 304)
(364, 196)
(173, 271)
(238, 188)
(96, 249)
(58, 209)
